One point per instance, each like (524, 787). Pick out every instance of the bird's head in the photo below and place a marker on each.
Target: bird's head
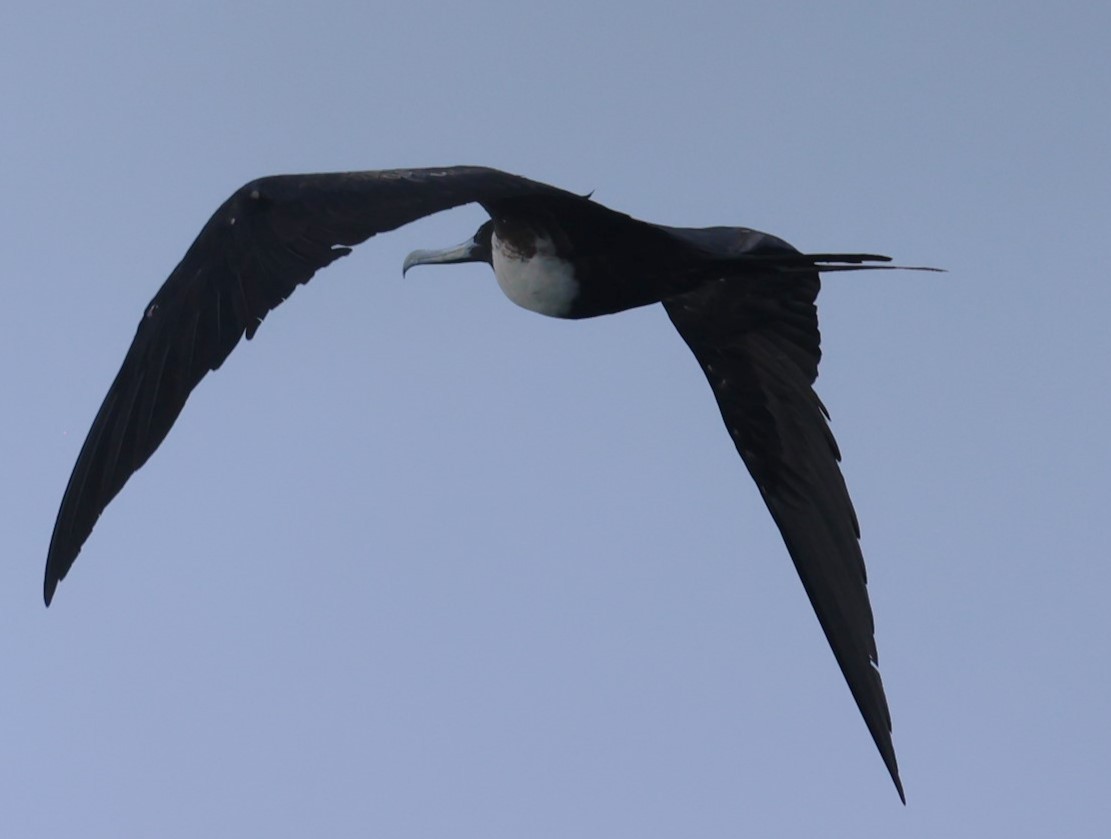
(475, 249)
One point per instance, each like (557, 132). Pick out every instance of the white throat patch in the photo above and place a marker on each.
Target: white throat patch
(542, 283)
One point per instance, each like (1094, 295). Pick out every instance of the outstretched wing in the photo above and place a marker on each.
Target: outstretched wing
(269, 237)
(756, 337)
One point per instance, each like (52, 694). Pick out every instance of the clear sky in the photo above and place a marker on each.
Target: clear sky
(416, 562)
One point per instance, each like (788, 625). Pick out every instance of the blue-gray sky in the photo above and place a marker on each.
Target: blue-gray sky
(416, 562)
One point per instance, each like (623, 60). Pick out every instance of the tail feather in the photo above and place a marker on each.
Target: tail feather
(826, 262)
(855, 258)
(825, 269)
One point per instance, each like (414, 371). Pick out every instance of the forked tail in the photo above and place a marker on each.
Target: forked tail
(825, 262)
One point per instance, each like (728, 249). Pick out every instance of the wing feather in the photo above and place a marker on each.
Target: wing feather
(269, 237)
(756, 338)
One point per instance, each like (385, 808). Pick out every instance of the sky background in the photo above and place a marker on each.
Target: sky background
(416, 562)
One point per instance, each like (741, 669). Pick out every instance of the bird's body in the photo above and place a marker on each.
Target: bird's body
(743, 301)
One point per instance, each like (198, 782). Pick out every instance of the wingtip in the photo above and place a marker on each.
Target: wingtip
(54, 573)
(893, 771)
(899, 787)
(56, 568)
(887, 753)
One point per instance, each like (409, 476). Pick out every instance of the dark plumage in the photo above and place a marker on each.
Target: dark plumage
(743, 301)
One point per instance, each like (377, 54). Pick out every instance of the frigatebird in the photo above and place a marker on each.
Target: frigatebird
(743, 301)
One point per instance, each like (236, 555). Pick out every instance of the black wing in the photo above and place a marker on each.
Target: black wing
(756, 337)
(269, 237)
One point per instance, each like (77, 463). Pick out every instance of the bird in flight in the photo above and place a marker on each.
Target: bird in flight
(743, 301)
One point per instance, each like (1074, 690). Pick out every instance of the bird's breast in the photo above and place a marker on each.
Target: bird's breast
(534, 276)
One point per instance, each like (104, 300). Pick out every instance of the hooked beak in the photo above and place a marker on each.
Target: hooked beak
(465, 252)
